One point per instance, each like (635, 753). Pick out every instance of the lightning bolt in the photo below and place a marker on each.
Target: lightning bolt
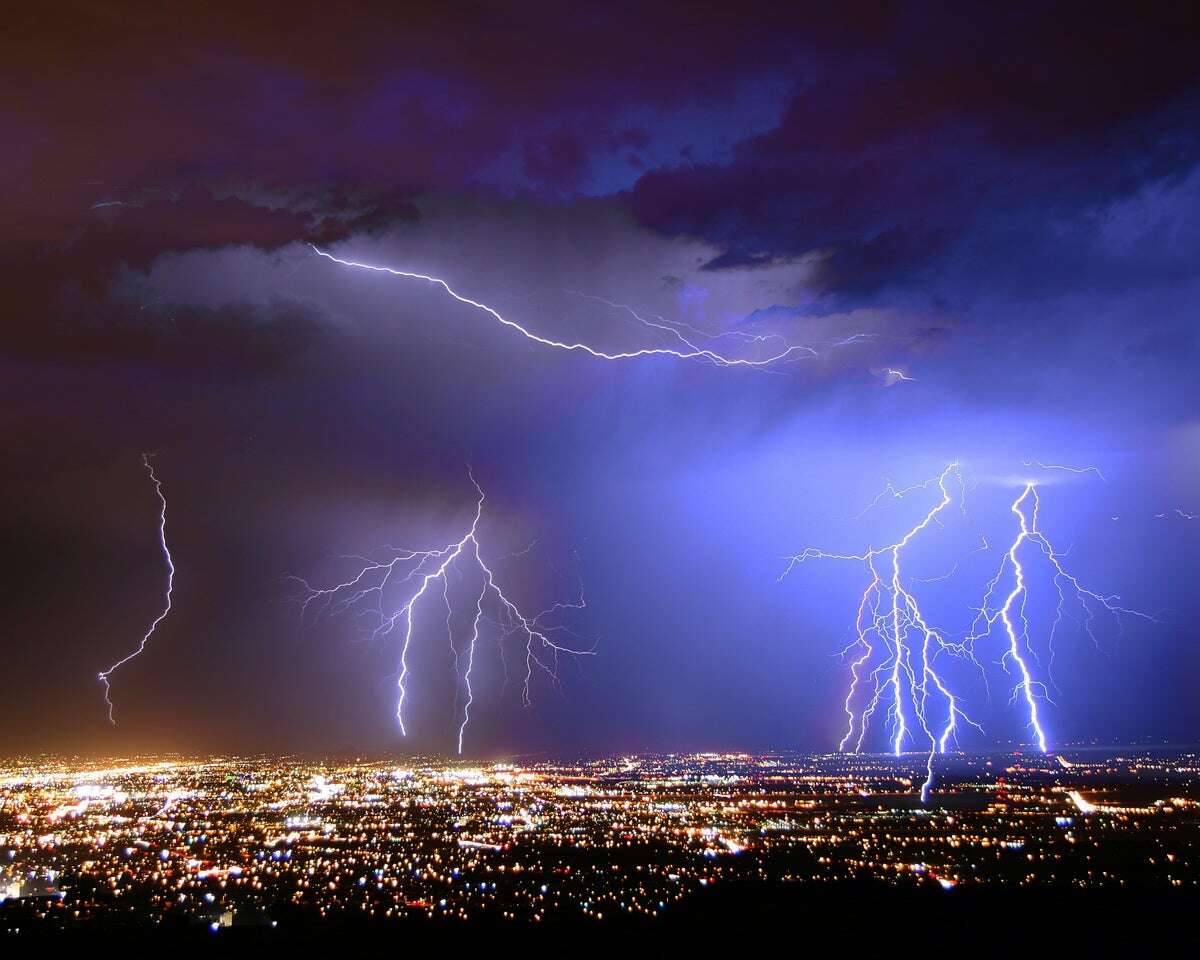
(413, 573)
(673, 327)
(1011, 613)
(1065, 469)
(892, 376)
(683, 347)
(106, 675)
(895, 652)
(891, 631)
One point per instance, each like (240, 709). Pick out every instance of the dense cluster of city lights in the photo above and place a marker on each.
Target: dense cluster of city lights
(281, 841)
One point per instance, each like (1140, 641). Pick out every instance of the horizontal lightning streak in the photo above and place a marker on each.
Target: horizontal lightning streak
(688, 350)
(1065, 469)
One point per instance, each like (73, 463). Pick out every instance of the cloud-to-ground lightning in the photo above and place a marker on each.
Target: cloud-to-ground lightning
(892, 633)
(105, 676)
(681, 348)
(412, 574)
(895, 654)
(1010, 614)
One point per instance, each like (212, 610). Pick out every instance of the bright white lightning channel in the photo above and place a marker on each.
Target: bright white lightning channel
(895, 654)
(1010, 614)
(891, 630)
(105, 676)
(412, 573)
(687, 348)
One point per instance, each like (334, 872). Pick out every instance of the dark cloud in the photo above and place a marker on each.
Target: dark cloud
(894, 153)
(1000, 201)
(382, 98)
(67, 285)
(134, 134)
(558, 161)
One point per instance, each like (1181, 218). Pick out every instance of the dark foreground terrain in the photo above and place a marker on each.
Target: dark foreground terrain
(856, 919)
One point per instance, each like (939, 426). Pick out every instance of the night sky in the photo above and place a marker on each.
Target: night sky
(1001, 202)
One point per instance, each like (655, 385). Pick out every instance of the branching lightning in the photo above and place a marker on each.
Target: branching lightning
(413, 573)
(681, 347)
(105, 676)
(896, 657)
(1011, 612)
(893, 638)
